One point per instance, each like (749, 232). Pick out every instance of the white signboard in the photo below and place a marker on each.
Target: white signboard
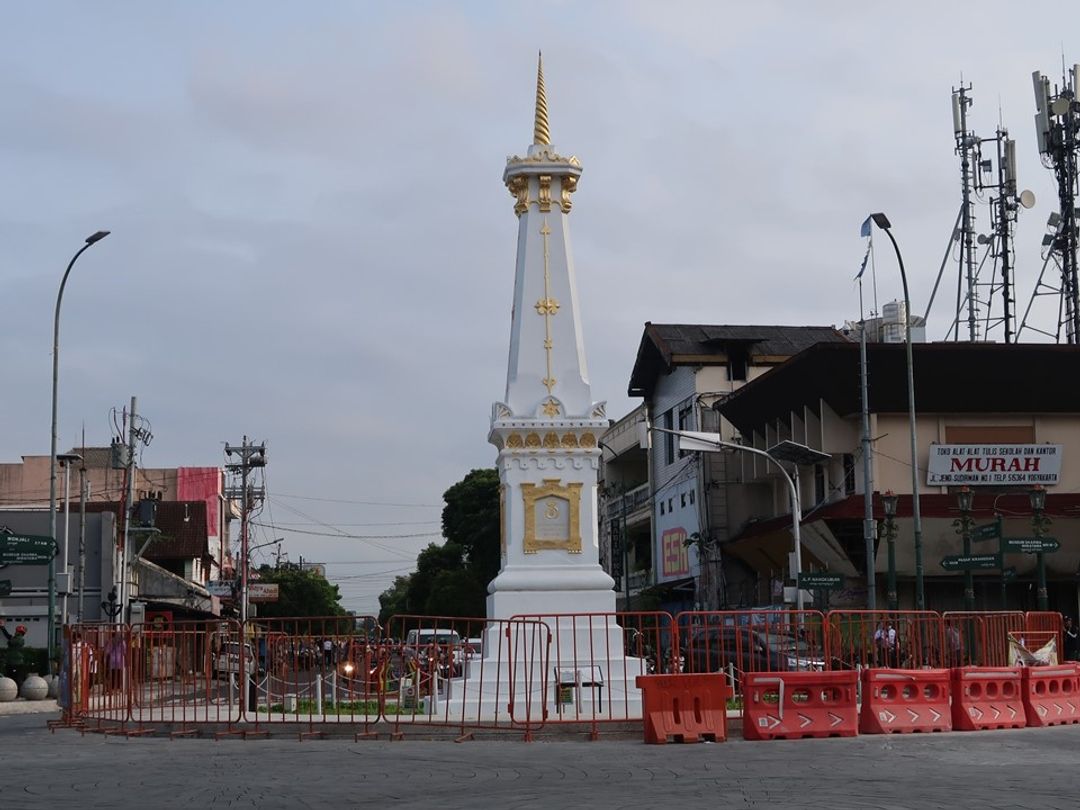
(262, 591)
(993, 464)
(221, 588)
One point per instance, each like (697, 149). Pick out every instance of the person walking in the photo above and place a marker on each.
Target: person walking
(1072, 641)
(15, 660)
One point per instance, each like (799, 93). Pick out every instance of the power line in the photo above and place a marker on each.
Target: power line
(360, 503)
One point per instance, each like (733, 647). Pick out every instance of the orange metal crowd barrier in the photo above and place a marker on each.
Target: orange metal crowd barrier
(594, 661)
(857, 639)
(468, 674)
(311, 675)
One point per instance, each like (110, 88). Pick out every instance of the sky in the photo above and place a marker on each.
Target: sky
(312, 246)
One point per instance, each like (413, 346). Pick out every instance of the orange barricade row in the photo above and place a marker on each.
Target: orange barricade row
(1051, 695)
(685, 708)
(901, 701)
(987, 698)
(794, 705)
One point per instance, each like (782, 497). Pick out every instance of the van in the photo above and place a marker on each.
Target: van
(227, 659)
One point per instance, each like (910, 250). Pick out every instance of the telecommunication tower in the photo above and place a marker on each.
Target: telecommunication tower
(989, 177)
(1057, 123)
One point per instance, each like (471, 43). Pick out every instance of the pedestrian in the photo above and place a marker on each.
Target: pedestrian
(1072, 641)
(328, 652)
(15, 660)
(892, 650)
(115, 658)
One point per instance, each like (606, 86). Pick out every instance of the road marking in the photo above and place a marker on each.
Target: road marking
(836, 719)
(1012, 712)
(886, 716)
(914, 715)
(805, 721)
(935, 716)
(975, 712)
(1060, 710)
(769, 722)
(1041, 710)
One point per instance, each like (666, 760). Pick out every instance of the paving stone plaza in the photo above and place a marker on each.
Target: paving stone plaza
(1026, 768)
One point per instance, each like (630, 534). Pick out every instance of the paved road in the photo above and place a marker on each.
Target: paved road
(1028, 768)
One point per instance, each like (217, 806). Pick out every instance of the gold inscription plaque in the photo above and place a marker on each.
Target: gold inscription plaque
(552, 516)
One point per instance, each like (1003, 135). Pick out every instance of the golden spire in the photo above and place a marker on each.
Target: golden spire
(541, 133)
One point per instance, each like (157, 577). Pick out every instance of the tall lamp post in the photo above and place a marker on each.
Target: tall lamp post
(964, 499)
(785, 451)
(889, 500)
(97, 236)
(1039, 522)
(883, 223)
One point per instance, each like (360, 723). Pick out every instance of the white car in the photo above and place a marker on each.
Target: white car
(227, 659)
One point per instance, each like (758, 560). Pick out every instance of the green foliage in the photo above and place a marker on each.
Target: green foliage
(301, 593)
(451, 579)
(470, 520)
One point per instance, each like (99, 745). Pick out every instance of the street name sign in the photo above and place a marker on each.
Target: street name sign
(1031, 545)
(262, 591)
(970, 562)
(821, 582)
(988, 531)
(26, 549)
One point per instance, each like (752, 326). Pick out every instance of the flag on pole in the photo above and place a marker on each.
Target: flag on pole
(865, 229)
(862, 269)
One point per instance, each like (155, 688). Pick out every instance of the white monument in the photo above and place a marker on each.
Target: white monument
(547, 426)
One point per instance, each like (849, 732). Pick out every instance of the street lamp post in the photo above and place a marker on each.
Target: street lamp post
(1039, 522)
(97, 236)
(785, 451)
(889, 500)
(883, 223)
(964, 499)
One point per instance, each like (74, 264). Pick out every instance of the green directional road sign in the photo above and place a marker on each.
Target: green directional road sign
(987, 531)
(5, 587)
(1031, 545)
(970, 562)
(26, 549)
(820, 582)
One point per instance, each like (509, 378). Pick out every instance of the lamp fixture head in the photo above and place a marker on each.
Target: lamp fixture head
(881, 221)
(889, 500)
(964, 498)
(96, 236)
(1037, 496)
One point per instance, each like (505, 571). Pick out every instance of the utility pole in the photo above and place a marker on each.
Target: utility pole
(138, 431)
(250, 457)
(84, 485)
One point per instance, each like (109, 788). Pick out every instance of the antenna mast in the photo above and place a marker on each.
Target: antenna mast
(1057, 124)
(967, 146)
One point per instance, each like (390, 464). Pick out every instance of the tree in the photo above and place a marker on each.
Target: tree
(451, 579)
(301, 592)
(470, 520)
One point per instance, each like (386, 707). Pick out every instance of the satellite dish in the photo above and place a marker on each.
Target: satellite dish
(983, 239)
(1027, 198)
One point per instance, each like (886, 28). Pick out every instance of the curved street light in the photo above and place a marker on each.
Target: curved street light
(97, 236)
(883, 223)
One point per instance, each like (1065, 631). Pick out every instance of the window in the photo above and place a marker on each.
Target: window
(686, 422)
(849, 474)
(669, 440)
(662, 504)
(691, 497)
(682, 500)
(737, 363)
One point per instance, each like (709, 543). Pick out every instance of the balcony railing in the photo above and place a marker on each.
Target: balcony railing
(628, 502)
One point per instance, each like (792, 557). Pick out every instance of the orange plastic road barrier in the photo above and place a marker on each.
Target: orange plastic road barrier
(1051, 695)
(793, 705)
(685, 708)
(905, 700)
(987, 697)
